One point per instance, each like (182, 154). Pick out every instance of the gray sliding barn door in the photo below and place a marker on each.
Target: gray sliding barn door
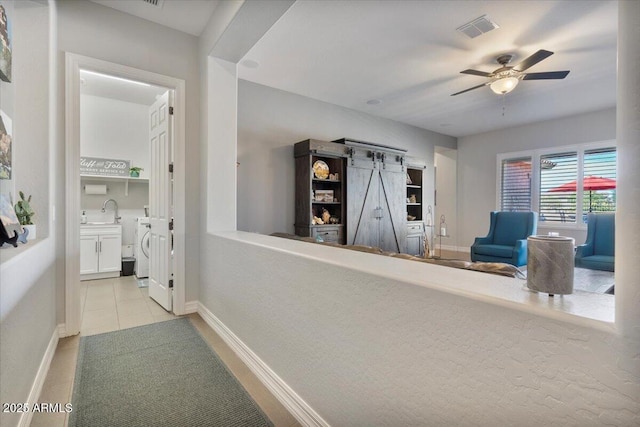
(376, 213)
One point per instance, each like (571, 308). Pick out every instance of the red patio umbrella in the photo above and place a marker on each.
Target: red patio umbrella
(590, 183)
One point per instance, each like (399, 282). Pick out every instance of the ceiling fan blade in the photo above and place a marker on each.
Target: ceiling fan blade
(533, 60)
(477, 73)
(471, 88)
(550, 75)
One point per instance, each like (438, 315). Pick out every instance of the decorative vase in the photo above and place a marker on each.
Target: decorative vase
(134, 174)
(32, 231)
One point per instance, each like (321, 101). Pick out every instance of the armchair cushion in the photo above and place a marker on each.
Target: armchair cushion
(502, 251)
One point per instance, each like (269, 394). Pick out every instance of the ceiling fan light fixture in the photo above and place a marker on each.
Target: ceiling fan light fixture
(504, 85)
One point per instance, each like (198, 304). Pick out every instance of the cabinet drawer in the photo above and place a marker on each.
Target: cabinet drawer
(415, 228)
(95, 230)
(328, 235)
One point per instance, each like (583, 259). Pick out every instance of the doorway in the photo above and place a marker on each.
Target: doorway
(76, 66)
(446, 206)
(116, 175)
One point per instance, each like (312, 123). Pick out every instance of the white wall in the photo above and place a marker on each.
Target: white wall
(100, 32)
(270, 121)
(477, 157)
(115, 129)
(24, 99)
(628, 133)
(28, 273)
(446, 199)
(222, 137)
(365, 350)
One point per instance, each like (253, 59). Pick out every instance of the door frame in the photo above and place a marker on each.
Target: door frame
(73, 64)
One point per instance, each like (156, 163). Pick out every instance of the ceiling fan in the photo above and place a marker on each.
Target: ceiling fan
(504, 79)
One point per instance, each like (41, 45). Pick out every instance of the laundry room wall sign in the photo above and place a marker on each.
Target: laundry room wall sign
(104, 167)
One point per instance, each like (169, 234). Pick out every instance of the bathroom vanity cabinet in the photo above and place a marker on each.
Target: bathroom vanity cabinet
(100, 251)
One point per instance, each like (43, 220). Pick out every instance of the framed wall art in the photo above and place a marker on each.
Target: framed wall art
(5, 45)
(5, 146)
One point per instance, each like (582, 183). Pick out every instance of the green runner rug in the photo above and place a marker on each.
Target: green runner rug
(162, 374)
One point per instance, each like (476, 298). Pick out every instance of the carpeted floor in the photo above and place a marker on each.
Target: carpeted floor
(162, 374)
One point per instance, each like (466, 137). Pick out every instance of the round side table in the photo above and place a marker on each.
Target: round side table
(550, 262)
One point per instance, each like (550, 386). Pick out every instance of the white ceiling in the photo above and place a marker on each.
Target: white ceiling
(409, 55)
(97, 85)
(188, 16)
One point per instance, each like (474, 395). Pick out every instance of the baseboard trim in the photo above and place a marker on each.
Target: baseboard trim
(285, 394)
(465, 249)
(447, 247)
(41, 375)
(190, 307)
(62, 330)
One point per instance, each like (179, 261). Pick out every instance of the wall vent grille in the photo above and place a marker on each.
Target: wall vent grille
(156, 3)
(477, 27)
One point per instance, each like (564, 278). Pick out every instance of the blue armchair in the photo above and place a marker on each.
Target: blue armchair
(598, 252)
(507, 238)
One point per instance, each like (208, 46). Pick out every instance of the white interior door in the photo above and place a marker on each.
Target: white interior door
(160, 136)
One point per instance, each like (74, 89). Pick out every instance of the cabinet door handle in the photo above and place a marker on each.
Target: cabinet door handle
(100, 246)
(96, 247)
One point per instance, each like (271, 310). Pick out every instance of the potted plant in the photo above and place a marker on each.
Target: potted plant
(134, 171)
(24, 212)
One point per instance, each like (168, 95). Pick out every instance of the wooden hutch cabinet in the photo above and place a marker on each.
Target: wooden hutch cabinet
(415, 207)
(320, 190)
(357, 193)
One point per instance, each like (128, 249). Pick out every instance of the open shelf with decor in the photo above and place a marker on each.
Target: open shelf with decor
(320, 191)
(415, 214)
(414, 193)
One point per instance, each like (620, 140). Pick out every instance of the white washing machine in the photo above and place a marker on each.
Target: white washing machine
(141, 249)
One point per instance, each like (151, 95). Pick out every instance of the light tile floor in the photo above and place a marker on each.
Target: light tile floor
(112, 304)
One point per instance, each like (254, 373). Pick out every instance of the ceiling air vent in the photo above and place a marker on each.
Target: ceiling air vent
(477, 27)
(156, 3)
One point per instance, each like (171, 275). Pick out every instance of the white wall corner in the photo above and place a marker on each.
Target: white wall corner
(62, 330)
(222, 110)
(285, 394)
(191, 307)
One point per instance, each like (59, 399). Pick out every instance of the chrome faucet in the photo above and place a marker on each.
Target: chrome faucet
(116, 218)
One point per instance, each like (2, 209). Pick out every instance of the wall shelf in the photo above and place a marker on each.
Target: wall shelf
(125, 179)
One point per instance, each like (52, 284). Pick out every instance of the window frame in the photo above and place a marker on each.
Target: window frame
(535, 155)
(500, 179)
